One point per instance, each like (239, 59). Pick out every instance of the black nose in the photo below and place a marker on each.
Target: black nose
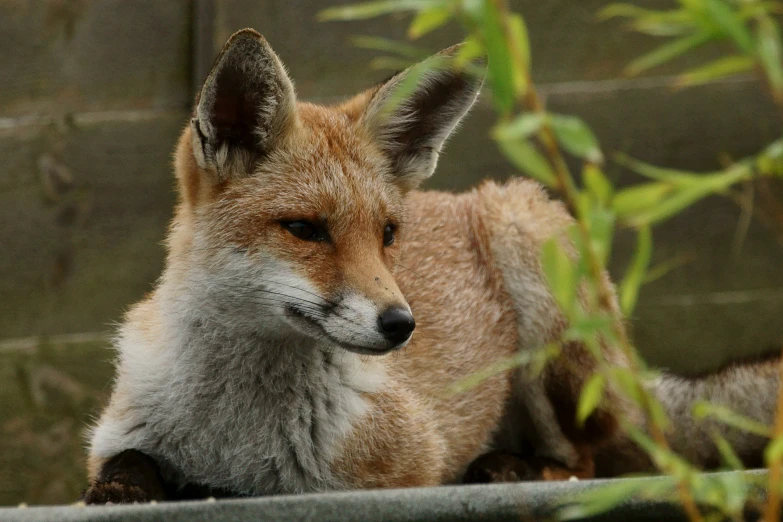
(396, 324)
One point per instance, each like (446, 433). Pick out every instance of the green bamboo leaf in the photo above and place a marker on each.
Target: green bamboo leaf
(632, 282)
(591, 396)
(687, 195)
(578, 241)
(521, 39)
(470, 50)
(704, 409)
(727, 453)
(666, 53)
(661, 269)
(376, 43)
(500, 68)
(585, 204)
(660, 28)
(583, 328)
(679, 177)
(600, 221)
(658, 23)
(774, 451)
(758, 9)
(526, 158)
(721, 68)
(664, 458)
(767, 167)
(770, 162)
(543, 356)
(365, 10)
(768, 49)
(477, 378)
(597, 184)
(627, 383)
(576, 137)
(521, 127)
(623, 11)
(658, 412)
(677, 202)
(390, 63)
(560, 274)
(732, 494)
(428, 20)
(599, 500)
(774, 150)
(633, 199)
(413, 76)
(694, 6)
(592, 345)
(531, 359)
(730, 23)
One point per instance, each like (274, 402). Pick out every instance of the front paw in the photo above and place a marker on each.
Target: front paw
(500, 466)
(107, 493)
(127, 478)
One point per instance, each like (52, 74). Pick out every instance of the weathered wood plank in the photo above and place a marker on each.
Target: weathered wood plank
(76, 262)
(203, 54)
(96, 55)
(47, 397)
(82, 243)
(568, 41)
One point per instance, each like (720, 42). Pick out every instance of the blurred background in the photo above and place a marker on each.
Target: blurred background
(93, 94)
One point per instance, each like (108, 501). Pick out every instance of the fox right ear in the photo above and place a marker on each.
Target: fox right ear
(412, 122)
(245, 107)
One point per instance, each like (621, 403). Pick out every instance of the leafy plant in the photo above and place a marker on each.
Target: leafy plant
(537, 142)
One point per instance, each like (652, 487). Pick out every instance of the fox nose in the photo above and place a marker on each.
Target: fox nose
(397, 324)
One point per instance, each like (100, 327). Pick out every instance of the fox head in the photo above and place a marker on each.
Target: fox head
(291, 214)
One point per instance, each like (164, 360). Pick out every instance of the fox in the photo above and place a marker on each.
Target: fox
(315, 306)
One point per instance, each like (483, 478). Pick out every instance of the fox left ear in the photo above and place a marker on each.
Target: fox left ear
(246, 106)
(412, 124)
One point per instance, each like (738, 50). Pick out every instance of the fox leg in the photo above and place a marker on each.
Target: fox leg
(132, 477)
(519, 218)
(396, 445)
(127, 478)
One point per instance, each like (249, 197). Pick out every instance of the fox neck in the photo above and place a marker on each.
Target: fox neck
(270, 410)
(200, 335)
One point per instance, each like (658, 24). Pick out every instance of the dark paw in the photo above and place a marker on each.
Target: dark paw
(500, 466)
(127, 478)
(115, 493)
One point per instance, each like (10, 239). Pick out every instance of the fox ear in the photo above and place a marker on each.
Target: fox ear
(245, 107)
(412, 122)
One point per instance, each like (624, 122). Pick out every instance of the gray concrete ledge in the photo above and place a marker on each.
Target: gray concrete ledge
(491, 503)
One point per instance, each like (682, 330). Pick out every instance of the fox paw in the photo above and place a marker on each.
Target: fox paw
(108, 493)
(127, 478)
(500, 466)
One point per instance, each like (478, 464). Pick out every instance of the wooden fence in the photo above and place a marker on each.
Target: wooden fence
(93, 94)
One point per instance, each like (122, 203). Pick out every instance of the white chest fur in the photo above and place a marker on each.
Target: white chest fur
(247, 415)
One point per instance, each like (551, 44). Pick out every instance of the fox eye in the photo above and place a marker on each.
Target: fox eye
(388, 235)
(305, 230)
